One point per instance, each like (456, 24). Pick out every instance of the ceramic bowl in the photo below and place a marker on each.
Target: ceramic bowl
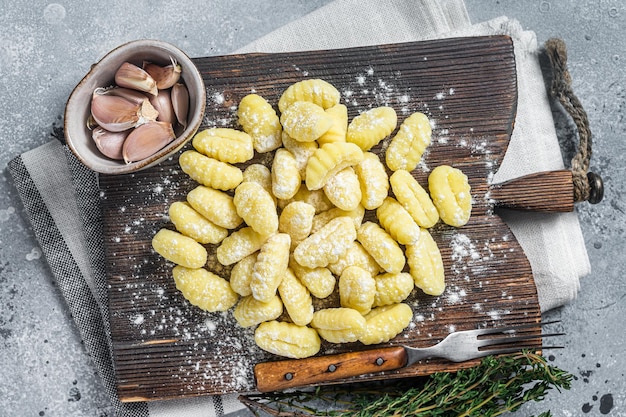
(77, 110)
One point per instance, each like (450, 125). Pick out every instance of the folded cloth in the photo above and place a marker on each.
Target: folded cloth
(66, 219)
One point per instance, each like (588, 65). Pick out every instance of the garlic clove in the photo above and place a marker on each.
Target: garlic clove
(113, 113)
(110, 143)
(180, 102)
(137, 97)
(131, 76)
(166, 76)
(163, 105)
(146, 140)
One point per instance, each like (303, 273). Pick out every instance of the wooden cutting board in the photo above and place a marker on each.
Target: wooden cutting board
(165, 348)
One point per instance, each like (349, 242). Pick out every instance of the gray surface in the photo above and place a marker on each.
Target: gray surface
(45, 48)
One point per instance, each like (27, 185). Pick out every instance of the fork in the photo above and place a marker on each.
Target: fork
(457, 347)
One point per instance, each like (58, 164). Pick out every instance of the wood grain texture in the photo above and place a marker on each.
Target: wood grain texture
(165, 348)
(280, 375)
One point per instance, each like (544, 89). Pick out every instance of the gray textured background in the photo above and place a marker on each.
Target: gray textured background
(45, 48)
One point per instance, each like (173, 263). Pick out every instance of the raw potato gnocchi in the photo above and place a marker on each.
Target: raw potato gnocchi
(226, 145)
(192, 224)
(326, 245)
(215, 205)
(370, 127)
(339, 325)
(296, 299)
(329, 160)
(257, 118)
(384, 323)
(179, 249)
(209, 171)
(357, 289)
(344, 189)
(426, 265)
(414, 199)
(305, 121)
(287, 339)
(256, 207)
(249, 311)
(270, 267)
(407, 146)
(451, 194)
(315, 90)
(204, 289)
(292, 226)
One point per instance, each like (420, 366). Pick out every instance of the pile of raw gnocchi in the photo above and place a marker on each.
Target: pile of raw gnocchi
(291, 231)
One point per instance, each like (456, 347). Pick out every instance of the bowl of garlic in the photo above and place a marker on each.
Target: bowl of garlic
(138, 105)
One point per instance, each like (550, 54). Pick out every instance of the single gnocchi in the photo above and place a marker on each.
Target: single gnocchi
(426, 265)
(392, 288)
(204, 289)
(408, 145)
(356, 255)
(238, 245)
(414, 199)
(451, 194)
(241, 275)
(339, 128)
(270, 267)
(209, 171)
(370, 127)
(398, 222)
(286, 178)
(357, 289)
(373, 181)
(305, 121)
(296, 220)
(384, 323)
(179, 249)
(339, 325)
(314, 90)
(191, 223)
(287, 339)
(226, 145)
(326, 245)
(215, 205)
(382, 247)
(344, 189)
(319, 281)
(256, 207)
(257, 118)
(249, 311)
(296, 299)
(328, 160)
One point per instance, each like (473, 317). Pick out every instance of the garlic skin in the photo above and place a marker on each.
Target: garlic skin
(131, 76)
(180, 102)
(163, 105)
(146, 140)
(117, 114)
(110, 143)
(166, 76)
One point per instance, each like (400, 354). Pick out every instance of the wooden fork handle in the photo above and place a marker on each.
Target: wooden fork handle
(548, 191)
(275, 376)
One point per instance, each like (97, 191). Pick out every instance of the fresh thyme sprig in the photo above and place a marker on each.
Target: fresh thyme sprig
(496, 386)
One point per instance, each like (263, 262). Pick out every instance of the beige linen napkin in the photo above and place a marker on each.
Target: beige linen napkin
(67, 222)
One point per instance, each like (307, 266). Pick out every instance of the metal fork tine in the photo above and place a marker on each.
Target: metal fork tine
(514, 328)
(514, 339)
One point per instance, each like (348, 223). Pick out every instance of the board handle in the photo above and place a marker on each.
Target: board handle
(547, 191)
(279, 375)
